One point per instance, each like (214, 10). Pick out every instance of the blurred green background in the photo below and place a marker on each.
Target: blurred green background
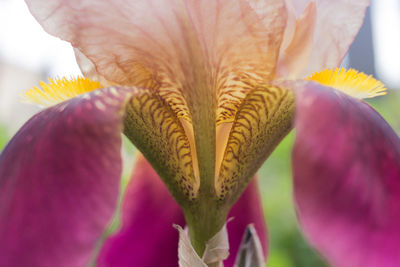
(288, 248)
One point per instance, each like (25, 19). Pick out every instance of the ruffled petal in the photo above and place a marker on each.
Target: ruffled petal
(201, 57)
(321, 37)
(346, 164)
(132, 42)
(294, 56)
(337, 24)
(59, 182)
(146, 237)
(248, 210)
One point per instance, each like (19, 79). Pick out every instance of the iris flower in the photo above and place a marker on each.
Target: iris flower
(205, 90)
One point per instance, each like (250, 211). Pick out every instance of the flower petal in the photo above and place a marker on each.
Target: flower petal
(147, 237)
(346, 164)
(59, 181)
(156, 131)
(189, 51)
(247, 210)
(263, 119)
(187, 47)
(294, 57)
(337, 24)
(149, 210)
(248, 53)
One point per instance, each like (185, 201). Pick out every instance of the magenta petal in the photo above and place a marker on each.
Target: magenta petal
(247, 210)
(147, 237)
(59, 182)
(346, 164)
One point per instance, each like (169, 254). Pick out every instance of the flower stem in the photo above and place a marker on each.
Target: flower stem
(203, 222)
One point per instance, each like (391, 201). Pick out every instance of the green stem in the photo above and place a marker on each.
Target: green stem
(203, 222)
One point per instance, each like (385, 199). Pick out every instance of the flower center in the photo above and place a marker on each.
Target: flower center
(248, 126)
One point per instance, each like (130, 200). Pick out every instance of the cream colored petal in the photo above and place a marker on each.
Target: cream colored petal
(294, 57)
(141, 43)
(290, 25)
(249, 56)
(188, 51)
(299, 5)
(185, 46)
(87, 67)
(338, 22)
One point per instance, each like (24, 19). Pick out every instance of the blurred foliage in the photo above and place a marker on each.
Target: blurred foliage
(3, 136)
(389, 107)
(287, 246)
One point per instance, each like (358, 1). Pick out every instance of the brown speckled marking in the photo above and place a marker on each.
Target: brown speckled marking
(154, 128)
(262, 120)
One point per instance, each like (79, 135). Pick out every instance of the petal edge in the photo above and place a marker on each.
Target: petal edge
(59, 182)
(346, 163)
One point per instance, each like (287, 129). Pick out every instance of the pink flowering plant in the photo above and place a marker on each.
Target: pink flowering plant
(205, 89)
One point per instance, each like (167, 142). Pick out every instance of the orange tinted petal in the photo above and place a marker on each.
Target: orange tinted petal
(248, 58)
(175, 43)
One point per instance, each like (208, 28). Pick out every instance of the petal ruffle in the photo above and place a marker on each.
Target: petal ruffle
(346, 164)
(189, 51)
(147, 237)
(294, 56)
(336, 24)
(59, 182)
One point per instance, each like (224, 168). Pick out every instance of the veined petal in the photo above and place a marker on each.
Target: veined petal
(263, 119)
(133, 43)
(294, 56)
(147, 237)
(337, 24)
(151, 125)
(346, 164)
(155, 130)
(190, 52)
(59, 181)
(169, 41)
(248, 57)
